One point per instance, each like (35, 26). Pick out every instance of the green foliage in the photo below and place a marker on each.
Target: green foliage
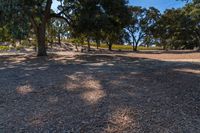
(4, 48)
(181, 31)
(100, 20)
(141, 25)
(4, 34)
(13, 20)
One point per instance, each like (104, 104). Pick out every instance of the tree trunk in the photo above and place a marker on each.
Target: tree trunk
(98, 43)
(110, 46)
(136, 47)
(199, 47)
(88, 41)
(41, 41)
(40, 29)
(97, 46)
(133, 47)
(199, 44)
(76, 45)
(134, 40)
(59, 39)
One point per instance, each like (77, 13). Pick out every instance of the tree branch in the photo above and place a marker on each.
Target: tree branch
(53, 15)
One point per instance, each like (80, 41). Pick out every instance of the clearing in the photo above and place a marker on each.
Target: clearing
(119, 92)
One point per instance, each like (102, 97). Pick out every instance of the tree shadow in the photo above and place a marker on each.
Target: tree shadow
(98, 93)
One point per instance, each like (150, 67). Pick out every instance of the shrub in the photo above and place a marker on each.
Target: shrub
(4, 48)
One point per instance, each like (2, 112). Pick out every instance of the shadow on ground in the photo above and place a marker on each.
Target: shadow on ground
(98, 93)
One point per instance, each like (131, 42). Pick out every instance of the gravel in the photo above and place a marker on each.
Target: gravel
(83, 93)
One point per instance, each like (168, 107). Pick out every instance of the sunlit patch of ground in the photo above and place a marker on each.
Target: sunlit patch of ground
(169, 56)
(122, 119)
(192, 71)
(92, 89)
(24, 89)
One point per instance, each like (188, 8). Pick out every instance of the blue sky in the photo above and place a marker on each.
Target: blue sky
(159, 4)
(162, 5)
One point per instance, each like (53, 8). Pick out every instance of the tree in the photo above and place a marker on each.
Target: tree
(51, 32)
(4, 34)
(87, 20)
(60, 28)
(101, 20)
(38, 13)
(153, 15)
(116, 18)
(177, 33)
(192, 11)
(138, 25)
(16, 28)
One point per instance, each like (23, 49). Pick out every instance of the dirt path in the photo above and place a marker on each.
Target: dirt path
(71, 92)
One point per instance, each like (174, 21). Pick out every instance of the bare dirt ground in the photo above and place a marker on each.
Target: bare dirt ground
(146, 92)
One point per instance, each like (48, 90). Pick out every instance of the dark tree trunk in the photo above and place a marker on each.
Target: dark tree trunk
(40, 28)
(199, 47)
(110, 47)
(59, 39)
(198, 38)
(133, 47)
(199, 44)
(41, 41)
(97, 46)
(88, 41)
(76, 45)
(35, 48)
(134, 40)
(98, 43)
(136, 47)
(51, 43)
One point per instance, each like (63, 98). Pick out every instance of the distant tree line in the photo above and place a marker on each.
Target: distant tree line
(100, 21)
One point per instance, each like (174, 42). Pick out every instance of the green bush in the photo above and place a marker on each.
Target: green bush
(4, 48)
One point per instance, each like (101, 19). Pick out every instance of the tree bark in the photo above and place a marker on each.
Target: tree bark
(110, 46)
(59, 39)
(41, 40)
(88, 41)
(40, 29)
(98, 43)
(136, 47)
(134, 40)
(199, 47)
(133, 47)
